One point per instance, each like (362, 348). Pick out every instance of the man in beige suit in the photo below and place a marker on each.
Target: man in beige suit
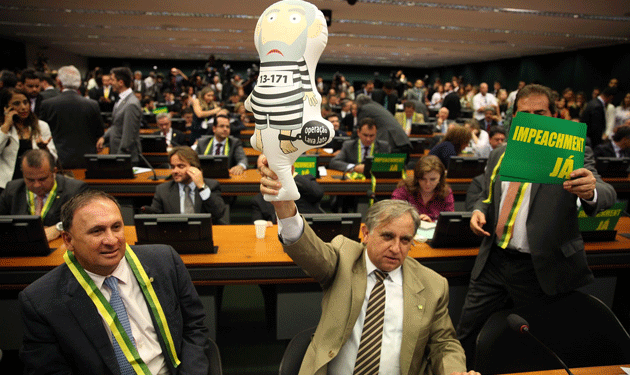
(415, 336)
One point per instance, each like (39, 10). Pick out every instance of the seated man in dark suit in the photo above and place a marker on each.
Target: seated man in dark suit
(311, 193)
(112, 308)
(617, 147)
(173, 137)
(354, 152)
(188, 192)
(44, 189)
(224, 144)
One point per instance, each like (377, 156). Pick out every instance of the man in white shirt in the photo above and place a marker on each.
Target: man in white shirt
(538, 254)
(412, 329)
(482, 100)
(71, 313)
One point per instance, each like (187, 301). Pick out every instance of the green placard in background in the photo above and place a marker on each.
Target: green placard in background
(604, 220)
(388, 162)
(160, 110)
(542, 149)
(306, 165)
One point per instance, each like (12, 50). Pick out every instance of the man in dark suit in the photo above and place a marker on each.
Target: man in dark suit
(47, 87)
(381, 310)
(75, 121)
(204, 194)
(388, 129)
(594, 116)
(451, 102)
(123, 136)
(30, 84)
(224, 144)
(44, 189)
(543, 256)
(173, 137)
(145, 291)
(353, 153)
(104, 94)
(618, 146)
(386, 97)
(488, 120)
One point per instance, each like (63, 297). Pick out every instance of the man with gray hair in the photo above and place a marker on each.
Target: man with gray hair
(382, 311)
(172, 136)
(75, 122)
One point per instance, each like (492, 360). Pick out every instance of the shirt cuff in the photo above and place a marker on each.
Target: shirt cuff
(290, 229)
(593, 201)
(350, 167)
(243, 165)
(205, 193)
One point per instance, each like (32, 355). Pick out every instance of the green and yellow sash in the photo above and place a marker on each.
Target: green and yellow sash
(112, 320)
(30, 199)
(226, 149)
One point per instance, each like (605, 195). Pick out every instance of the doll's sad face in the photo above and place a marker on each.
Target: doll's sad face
(283, 32)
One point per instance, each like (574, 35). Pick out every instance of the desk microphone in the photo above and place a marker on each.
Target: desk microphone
(155, 176)
(371, 194)
(520, 325)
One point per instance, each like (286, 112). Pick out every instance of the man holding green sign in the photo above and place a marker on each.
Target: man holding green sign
(532, 250)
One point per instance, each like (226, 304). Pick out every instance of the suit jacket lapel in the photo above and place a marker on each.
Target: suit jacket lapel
(90, 321)
(413, 314)
(359, 285)
(173, 197)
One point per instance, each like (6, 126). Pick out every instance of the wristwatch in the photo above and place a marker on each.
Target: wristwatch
(59, 226)
(204, 187)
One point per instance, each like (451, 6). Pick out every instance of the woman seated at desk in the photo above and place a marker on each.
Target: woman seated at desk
(456, 139)
(427, 189)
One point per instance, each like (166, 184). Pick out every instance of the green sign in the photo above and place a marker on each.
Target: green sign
(388, 162)
(542, 149)
(160, 110)
(605, 220)
(306, 165)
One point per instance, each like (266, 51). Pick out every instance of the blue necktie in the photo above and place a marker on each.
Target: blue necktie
(119, 308)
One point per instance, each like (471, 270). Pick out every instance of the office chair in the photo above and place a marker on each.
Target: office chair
(579, 328)
(212, 352)
(294, 353)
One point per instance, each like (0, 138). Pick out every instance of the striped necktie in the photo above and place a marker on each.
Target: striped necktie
(507, 215)
(121, 312)
(369, 355)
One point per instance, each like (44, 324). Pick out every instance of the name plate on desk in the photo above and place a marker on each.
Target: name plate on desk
(385, 165)
(306, 165)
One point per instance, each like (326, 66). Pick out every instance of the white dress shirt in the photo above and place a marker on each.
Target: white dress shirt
(482, 101)
(144, 334)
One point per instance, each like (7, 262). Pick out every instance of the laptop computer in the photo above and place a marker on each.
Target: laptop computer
(23, 235)
(453, 230)
(466, 166)
(187, 233)
(612, 167)
(214, 166)
(113, 166)
(153, 143)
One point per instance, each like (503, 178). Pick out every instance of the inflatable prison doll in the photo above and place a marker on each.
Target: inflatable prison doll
(290, 37)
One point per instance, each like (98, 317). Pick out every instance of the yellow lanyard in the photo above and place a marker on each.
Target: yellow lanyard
(103, 306)
(30, 198)
(226, 149)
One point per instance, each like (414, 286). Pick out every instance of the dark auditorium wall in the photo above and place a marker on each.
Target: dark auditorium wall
(581, 70)
(12, 55)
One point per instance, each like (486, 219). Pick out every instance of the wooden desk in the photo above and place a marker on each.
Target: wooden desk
(600, 370)
(242, 258)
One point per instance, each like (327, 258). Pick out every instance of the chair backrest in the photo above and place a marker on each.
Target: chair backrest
(579, 328)
(212, 352)
(294, 353)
